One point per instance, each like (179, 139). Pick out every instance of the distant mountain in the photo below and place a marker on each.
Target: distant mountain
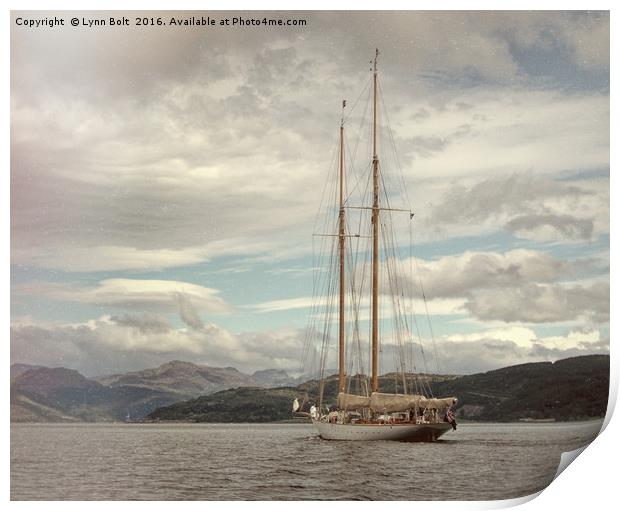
(183, 378)
(59, 394)
(17, 369)
(275, 378)
(569, 389)
(45, 394)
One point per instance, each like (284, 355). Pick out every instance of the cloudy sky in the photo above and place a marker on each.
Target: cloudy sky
(165, 182)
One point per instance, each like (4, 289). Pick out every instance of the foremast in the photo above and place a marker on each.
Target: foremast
(341, 250)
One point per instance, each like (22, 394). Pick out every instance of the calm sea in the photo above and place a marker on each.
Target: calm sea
(288, 461)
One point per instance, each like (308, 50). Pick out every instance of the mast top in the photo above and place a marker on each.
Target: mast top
(375, 60)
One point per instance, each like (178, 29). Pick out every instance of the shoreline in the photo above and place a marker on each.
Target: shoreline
(299, 422)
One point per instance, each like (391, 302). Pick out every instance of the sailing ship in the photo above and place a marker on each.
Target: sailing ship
(362, 411)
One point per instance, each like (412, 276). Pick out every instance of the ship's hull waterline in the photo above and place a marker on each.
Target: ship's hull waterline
(401, 432)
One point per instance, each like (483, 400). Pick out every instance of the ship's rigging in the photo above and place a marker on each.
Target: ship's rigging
(364, 281)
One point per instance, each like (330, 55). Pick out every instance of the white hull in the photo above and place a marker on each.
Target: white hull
(365, 432)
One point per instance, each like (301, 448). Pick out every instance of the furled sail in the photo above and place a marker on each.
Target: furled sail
(352, 401)
(388, 403)
(437, 403)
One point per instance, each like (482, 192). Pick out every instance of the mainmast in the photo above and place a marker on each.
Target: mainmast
(375, 237)
(341, 249)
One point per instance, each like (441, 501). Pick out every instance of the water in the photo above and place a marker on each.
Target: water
(287, 461)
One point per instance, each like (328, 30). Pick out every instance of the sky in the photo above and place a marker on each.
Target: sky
(165, 183)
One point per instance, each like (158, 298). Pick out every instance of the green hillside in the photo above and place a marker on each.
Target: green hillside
(244, 404)
(570, 389)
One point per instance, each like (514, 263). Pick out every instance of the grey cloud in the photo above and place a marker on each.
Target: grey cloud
(133, 342)
(501, 195)
(426, 146)
(161, 138)
(538, 303)
(515, 286)
(546, 353)
(136, 294)
(152, 188)
(143, 322)
(457, 276)
(568, 227)
(420, 114)
(487, 354)
(188, 312)
(528, 206)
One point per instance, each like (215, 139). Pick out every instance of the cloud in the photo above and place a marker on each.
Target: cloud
(497, 347)
(549, 226)
(542, 303)
(515, 286)
(471, 271)
(491, 348)
(137, 294)
(525, 337)
(305, 302)
(507, 130)
(488, 354)
(143, 322)
(590, 42)
(521, 336)
(177, 153)
(529, 206)
(318, 306)
(519, 285)
(146, 160)
(188, 312)
(134, 341)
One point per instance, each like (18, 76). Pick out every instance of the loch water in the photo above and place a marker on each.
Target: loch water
(283, 462)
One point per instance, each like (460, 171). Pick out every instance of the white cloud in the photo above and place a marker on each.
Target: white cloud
(519, 285)
(531, 207)
(459, 275)
(136, 294)
(305, 302)
(521, 336)
(129, 342)
(505, 130)
(525, 337)
(579, 339)
(111, 344)
(542, 303)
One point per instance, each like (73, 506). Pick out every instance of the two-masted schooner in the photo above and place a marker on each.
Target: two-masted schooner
(370, 414)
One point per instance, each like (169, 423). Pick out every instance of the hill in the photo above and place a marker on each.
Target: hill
(569, 389)
(245, 404)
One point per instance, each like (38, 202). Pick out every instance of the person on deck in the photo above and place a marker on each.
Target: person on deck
(449, 417)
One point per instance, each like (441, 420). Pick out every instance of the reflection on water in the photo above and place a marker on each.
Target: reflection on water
(288, 461)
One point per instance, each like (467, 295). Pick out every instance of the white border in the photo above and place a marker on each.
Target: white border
(587, 484)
